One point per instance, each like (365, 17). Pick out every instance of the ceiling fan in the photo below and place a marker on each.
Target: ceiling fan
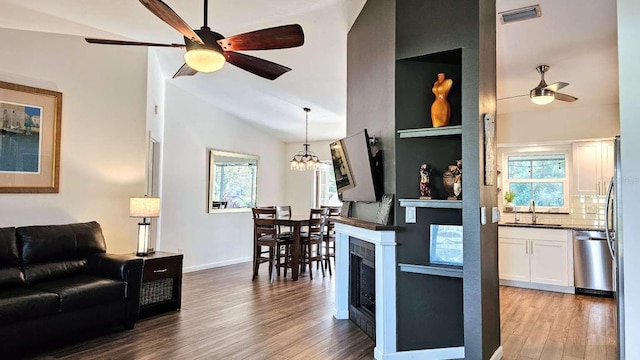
(544, 94)
(207, 51)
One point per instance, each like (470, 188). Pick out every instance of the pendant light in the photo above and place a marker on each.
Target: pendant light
(305, 160)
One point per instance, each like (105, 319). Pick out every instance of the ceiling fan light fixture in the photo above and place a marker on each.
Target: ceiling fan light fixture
(541, 96)
(204, 60)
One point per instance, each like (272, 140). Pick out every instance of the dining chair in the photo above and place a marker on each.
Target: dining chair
(312, 240)
(330, 237)
(267, 242)
(219, 204)
(283, 212)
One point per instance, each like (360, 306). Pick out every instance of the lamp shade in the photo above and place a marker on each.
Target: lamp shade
(144, 207)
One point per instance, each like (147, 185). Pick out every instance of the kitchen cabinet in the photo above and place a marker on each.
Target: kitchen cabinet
(535, 258)
(592, 167)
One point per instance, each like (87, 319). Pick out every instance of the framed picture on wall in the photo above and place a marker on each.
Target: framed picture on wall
(344, 179)
(29, 139)
(445, 245)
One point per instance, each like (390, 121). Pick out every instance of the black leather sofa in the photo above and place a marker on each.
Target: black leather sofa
(57, 282)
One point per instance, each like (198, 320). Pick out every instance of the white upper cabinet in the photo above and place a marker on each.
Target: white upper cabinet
(592, 167)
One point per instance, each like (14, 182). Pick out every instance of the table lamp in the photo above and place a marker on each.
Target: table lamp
(144, 207)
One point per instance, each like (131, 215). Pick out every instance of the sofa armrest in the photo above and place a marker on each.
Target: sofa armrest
(116, 267)
(120, 267)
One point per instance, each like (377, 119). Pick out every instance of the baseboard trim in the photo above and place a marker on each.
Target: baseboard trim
(427, 354)
(498, 354)
(216, 264)
(536, 286)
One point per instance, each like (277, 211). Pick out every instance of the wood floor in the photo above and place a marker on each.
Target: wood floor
(227, 316)
(548, 326)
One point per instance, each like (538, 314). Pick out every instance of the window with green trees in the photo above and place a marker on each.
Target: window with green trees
(542, 178)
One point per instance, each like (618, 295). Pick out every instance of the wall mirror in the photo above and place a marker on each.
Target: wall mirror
(232, 181)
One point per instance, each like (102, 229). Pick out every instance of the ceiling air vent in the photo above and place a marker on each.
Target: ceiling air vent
(524, 13)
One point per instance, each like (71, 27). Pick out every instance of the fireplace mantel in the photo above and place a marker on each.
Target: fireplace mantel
(384, 239)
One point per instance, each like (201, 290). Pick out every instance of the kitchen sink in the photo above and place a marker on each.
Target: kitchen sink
(530, 224)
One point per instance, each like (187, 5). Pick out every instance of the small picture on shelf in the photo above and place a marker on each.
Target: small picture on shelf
(445, 245)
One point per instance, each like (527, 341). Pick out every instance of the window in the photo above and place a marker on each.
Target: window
(326, 190)
(232, 181)
(540, 177)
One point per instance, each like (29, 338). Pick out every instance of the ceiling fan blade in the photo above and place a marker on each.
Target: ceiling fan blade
(565, 97)
(511, 97)
(133, 43)
(185, 70)
(166, 14)
(556, 86)
(264, 68)
(280, 37)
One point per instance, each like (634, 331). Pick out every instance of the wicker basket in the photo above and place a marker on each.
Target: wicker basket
(156, 291)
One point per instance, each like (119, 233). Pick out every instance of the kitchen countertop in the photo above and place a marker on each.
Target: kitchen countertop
(554, 226)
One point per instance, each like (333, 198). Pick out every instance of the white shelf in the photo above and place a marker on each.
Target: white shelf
(436, 204)
(433, 269)
(428, 132)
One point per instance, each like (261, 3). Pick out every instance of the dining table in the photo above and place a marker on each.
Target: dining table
(296, 222)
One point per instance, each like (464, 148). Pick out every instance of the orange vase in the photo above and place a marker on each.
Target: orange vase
(440, 109)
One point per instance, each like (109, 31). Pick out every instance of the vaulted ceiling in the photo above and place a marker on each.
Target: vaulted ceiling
(576, 38)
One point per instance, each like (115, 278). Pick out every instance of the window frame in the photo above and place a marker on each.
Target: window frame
(539, 151)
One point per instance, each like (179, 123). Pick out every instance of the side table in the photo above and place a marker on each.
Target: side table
(161, 283)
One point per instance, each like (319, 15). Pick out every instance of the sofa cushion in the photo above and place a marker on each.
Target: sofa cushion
(18, 303)
(48, 271)
(83, 291)
(10, 272)
(57, 245)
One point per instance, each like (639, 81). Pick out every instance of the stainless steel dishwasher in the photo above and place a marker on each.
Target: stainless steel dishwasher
(592, 265)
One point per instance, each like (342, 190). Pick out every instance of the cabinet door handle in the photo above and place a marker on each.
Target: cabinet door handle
(160, 271)
(531, 242)
(526, 248)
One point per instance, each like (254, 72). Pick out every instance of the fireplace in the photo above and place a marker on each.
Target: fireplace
(362, 285)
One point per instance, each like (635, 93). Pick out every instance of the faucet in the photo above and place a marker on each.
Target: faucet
(515, 210)
(532, 208)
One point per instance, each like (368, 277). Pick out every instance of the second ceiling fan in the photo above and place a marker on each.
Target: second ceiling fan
(207, 50)
(544, 94)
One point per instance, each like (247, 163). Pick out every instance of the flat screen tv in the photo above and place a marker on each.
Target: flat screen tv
(357, 172)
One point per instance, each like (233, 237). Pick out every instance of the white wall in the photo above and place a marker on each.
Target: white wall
(299, 185)
(192, 127)
(563, 124)
(103, 131)
(629, 77)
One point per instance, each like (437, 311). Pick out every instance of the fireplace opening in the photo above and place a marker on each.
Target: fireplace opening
(362, 286)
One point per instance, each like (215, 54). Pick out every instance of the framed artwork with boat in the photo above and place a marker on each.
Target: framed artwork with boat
(30, 120)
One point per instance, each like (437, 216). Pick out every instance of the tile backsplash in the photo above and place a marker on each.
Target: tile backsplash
(585, 210)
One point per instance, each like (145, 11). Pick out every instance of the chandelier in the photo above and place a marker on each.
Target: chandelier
(305, 160)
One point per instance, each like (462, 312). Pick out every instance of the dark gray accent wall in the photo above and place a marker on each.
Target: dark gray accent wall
(395, 49)
(370, 87)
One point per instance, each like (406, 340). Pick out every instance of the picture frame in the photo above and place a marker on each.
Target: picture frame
(30, 132)
(445, 246)
(344, 178)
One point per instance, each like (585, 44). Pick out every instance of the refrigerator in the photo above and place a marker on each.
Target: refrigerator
(615, 238)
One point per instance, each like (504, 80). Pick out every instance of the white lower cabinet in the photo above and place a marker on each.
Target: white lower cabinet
(536, 258)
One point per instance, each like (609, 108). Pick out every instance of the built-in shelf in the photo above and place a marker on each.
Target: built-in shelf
(437, 204)
(427, 132)
(433, 269)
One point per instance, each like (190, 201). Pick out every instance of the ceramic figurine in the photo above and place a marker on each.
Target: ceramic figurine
(425, 177)
(452, 180)
(440, 109)
(457, 181)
